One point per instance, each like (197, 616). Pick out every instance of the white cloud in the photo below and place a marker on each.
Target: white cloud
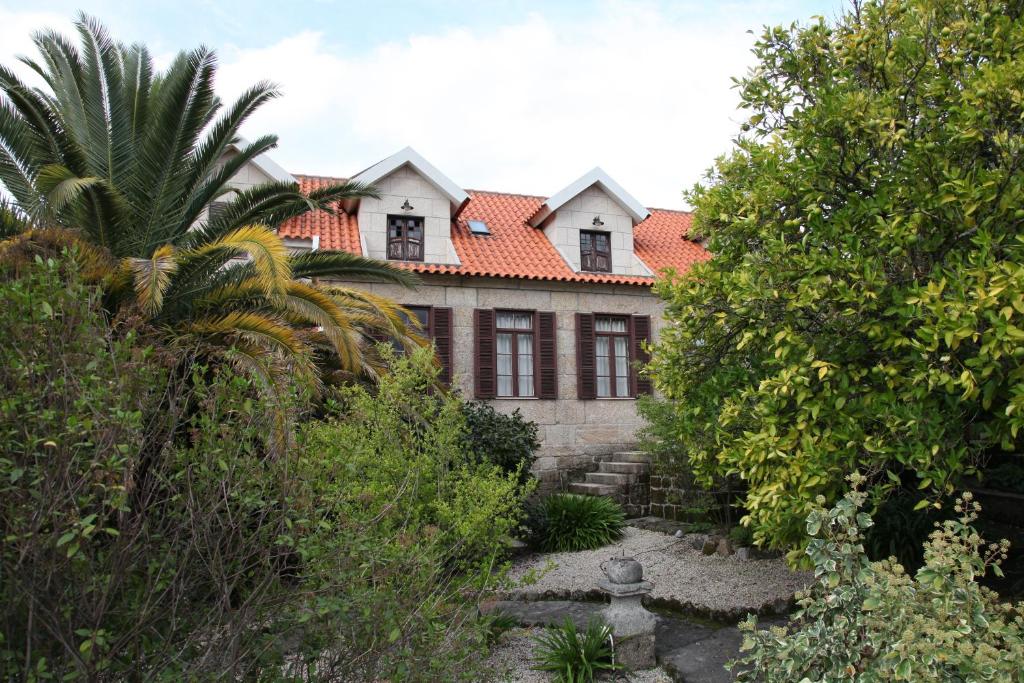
(526, 107)
(16, 30)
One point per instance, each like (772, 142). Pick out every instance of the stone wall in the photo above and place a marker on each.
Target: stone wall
(575, 434)
(405, 184)
(563, 230)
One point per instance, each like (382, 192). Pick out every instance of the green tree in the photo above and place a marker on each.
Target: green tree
(124, 163)
(864, 309)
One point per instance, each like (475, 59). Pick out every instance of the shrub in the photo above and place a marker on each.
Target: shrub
(357, 554)
(862, 312)
(572, 656)
(106, 574)
(741, 536)
(414, 525)
(506, 440)
(869, 621)
(568, 522)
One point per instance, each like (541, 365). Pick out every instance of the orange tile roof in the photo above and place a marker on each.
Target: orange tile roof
(337, 230)
(515, 249)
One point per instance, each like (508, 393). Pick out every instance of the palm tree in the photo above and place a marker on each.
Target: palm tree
(123, 163)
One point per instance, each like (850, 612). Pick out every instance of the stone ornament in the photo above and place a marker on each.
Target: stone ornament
(632, 625)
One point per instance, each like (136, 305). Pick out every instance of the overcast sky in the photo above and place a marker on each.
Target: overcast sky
(509, 95)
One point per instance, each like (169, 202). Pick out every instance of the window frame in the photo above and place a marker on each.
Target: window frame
(403, 240)
(533, 331)
(594, 252)
(613, 375)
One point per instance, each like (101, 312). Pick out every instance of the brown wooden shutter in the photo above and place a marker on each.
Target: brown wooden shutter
(586, 380)
(484, 363)
(547, 334)
(640, 335)
(441, 332)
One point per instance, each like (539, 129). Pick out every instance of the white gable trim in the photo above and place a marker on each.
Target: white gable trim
(455, 194)
(266, 164)
(597, 176)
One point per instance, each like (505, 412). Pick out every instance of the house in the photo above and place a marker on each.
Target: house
(536, 303)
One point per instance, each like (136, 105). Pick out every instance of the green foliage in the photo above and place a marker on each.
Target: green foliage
(900, 529)
(359, 554)
(568, 522)
(127, 161)
(864, 309)
(104, 575)
(1006, 476)
(741, 536)
(870, 622)
(506, 440)
(572, 656)
(412, 523)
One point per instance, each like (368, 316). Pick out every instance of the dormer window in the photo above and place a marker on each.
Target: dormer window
(405, 238)
(595, 251)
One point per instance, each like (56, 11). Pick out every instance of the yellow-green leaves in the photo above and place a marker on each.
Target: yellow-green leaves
(866, 295)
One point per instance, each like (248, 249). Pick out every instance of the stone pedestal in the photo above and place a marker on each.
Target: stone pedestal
(632, 625)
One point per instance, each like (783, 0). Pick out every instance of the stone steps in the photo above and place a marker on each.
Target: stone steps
(619, 478)
(610, 478)
(588, 489)
(615, 467)
(632, 456)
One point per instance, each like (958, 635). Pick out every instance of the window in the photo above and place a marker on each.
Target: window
(611, 353)
(609, 349)
(478, 227)
(405, 238)
(217, 209)
(595, 251)
(515, 354)
(514, 348)
(435, 325)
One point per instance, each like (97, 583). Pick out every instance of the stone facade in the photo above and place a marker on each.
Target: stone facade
(428, 203)
(563, 229)
(575, 434)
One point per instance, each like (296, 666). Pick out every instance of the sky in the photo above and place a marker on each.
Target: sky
(508, 95)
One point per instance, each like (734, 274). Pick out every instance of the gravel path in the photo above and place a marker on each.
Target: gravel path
(511, 660)
(683, 578)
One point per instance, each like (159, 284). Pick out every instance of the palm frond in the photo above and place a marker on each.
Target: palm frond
(344, 265)
(320, 309)
(13, 220)
(151, 277)
(268, 252)
(267, 331)
(62, 187)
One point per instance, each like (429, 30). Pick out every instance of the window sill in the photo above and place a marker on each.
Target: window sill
(612, 398)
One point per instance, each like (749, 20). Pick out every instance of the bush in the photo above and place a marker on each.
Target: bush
(140, 541)
(568, 522)
(572, 656)
(862, 312)
(355, 555)
(416, 527)
(869, 621)
(741, 536)
(508, 441)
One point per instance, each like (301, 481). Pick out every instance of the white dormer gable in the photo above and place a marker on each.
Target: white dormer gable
(597, 204)
(415, 196)
(260, 169)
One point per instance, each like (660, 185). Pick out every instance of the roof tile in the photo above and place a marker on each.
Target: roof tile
(514, 249)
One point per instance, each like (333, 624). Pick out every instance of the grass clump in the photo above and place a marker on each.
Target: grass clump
(569, 522)
(574, 656)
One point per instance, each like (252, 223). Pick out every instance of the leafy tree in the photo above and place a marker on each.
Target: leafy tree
(124, 163)
(875, 621)
(864, 309)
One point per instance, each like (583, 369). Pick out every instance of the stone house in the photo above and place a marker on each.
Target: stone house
(536, 303)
